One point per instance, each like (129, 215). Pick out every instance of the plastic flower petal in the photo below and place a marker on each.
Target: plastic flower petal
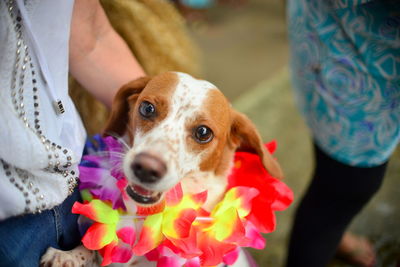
(178, 224)
(219, 237)
(169, 262)
(150, 236)
(227, 226)
(179, 217)
(101, 169)
(213, 251)
(121, 253)
(227, 215)
(274, 194)
(100, 184)
(102, 232)
(193, 262)
(165, 256)
(173, 223)
(174, 196)
(239, 198)
(99, 235)
(185, 247)
(176, 231)
(115, 252)
(231, 257)
(111, 234)
(106, 253)
(97, 210)
(254, 238)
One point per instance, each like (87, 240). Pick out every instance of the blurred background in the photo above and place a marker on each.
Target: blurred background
(244, 51)
(242, 48)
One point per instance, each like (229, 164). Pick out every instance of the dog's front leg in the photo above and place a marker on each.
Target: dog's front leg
(77, 257)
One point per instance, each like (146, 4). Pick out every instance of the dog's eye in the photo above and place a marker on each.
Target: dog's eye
(147, 110)
(202, 134)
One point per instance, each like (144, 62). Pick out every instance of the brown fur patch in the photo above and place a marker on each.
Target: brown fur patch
(216, 115)
(158, 92)
(119, 119)
(124, 113)
(232, 130)
(245, 136)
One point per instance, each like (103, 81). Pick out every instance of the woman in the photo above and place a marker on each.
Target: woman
(42, 136)
(346, 74)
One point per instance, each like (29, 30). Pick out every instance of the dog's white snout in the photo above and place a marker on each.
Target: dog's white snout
(148, 168)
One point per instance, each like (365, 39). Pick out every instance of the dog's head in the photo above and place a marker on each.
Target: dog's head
(178, 127)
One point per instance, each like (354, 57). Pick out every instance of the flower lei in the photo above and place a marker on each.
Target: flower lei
(178, 232)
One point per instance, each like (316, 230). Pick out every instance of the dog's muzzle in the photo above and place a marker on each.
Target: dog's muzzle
(148, 169)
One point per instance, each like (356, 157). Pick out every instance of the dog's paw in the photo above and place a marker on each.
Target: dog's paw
(77, 257)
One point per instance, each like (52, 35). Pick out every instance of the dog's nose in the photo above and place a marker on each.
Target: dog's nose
(148, 168)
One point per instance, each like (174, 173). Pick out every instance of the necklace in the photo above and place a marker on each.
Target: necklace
(179, 228)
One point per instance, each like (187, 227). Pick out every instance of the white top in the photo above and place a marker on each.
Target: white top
(38, 158)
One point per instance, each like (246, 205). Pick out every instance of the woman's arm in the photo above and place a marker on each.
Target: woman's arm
(99, 58)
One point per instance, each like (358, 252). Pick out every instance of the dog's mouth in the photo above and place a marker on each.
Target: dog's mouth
(142, 195)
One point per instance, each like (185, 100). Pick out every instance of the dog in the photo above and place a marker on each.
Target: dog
(179, 129)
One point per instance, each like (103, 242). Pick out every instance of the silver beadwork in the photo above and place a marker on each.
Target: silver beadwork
(23, 69)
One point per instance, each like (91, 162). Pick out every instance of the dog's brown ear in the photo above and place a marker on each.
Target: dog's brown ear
(245, 137)
(119, 117)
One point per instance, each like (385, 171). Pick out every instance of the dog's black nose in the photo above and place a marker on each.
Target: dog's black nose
(148, 168)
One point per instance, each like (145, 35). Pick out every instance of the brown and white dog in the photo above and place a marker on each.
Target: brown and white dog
(179, 129)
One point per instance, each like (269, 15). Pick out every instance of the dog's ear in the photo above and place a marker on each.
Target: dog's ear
(245, 137)
(119, 118)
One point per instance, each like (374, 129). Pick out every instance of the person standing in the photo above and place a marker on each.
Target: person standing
(345, 60)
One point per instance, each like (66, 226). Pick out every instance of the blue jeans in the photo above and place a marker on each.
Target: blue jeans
(24, 239)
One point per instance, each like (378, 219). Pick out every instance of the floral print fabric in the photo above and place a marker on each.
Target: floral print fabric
(346, 75)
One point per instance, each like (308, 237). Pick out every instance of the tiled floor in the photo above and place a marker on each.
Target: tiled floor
(245, 54)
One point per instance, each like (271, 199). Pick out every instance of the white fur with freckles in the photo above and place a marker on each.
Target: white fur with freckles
(168, 139)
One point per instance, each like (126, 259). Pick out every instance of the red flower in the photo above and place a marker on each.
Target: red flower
(274, 194)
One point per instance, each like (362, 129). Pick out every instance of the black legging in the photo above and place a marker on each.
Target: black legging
(336, 194)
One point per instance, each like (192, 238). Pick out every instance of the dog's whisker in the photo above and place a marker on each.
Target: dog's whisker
(118, 168)
(116, 162)
(123, 142)
(106, 153)
(115, 153)
(120, 140)
(118, 155)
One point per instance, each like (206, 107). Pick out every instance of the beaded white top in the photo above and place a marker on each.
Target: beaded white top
(39, 147)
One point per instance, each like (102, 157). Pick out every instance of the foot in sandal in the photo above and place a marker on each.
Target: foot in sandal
(356, 250)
